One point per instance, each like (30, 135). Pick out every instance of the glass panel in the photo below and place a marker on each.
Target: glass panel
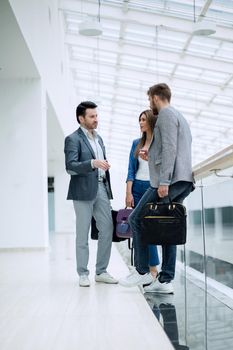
(199, 316)
(219, 237)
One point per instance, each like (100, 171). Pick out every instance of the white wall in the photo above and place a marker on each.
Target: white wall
(64, 211)
(33, 54)
(40, 24)
(23, 199)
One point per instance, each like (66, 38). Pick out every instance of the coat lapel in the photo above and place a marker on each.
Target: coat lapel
(101, 145)
(152, 140)
(83, 136)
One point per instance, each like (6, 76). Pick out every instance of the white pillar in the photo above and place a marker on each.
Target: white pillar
(23, 198)
(64, 211)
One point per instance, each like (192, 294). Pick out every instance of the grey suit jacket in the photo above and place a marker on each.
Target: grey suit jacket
(169, 157)
(84, 179)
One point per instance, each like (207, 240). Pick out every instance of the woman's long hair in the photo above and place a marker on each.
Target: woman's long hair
(151, 120)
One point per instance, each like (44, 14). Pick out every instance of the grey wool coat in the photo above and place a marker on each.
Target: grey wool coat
(169, 156)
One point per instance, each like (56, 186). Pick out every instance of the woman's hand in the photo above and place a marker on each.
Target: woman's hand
(143, 153)
(129, 200)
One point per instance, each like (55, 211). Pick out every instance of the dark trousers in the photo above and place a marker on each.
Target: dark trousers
(138, 190)
(177, 192)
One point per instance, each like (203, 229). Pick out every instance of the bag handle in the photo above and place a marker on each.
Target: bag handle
(166, 201)
(161, 201)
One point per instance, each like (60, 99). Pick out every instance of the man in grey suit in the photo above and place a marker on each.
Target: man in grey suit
(170, 168)
(90, 190)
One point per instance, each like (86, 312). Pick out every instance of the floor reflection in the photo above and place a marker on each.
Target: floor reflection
(217, 269)
(165, 311)
(193, 318)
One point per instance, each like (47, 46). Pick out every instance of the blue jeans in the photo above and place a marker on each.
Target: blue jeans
(138, 190)
(177, 192)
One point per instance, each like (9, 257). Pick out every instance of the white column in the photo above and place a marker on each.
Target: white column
(23, 198)
(64, 211)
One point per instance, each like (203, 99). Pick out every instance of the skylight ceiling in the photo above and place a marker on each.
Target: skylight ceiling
(145, 42)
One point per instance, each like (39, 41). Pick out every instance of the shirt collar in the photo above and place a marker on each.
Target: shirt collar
(88, 133)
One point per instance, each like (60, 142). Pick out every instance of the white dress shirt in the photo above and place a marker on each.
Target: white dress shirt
(94, 142)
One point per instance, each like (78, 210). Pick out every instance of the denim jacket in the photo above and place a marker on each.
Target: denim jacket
(133, 162)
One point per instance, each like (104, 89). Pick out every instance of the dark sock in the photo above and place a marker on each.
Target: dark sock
(145, 285)
(160, 280)
(164, 281)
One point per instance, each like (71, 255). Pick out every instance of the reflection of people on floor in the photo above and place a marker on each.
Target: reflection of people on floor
(165, 311)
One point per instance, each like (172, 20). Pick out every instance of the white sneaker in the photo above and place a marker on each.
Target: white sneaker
(105, 277)
(158, 287)
(135, 279)
(84, 281)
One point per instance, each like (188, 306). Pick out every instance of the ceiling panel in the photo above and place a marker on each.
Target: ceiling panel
(145, 42)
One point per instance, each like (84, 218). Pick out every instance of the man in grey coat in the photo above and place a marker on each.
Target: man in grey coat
(90, 190)
(170, 168)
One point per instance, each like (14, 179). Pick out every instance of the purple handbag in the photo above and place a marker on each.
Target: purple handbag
(122, 226)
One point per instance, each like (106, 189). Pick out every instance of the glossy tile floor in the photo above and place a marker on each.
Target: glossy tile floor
(193, 319)
(43, 308)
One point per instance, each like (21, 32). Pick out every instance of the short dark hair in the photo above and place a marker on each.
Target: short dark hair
(161, 90)
(81, 109)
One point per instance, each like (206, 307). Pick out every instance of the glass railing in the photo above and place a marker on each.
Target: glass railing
(199, 316)
(205, 264)
(209, 248)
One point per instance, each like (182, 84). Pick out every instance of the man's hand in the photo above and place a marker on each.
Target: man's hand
(163, 191)
(101, 164)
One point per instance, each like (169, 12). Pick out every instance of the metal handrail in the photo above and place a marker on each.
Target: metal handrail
(219, 161)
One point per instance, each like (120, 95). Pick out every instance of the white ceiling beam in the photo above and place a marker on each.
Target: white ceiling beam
(150, 77)
(181, 104)
(122, 15)
(135, 50)
(189, 102)
(203, 106)
(114, 13)
(186, 45)
(205, 9)
(125, 6)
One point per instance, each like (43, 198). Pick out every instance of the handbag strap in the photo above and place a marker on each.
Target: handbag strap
(161, 200)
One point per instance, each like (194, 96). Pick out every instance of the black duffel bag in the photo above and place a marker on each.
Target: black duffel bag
(164, 223)
(95, 232)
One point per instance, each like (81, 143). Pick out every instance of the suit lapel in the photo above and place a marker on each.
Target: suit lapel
(101, 145)
(152, 140)
(81, 134)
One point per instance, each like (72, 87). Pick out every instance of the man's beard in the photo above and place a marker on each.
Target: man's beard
(92, 126)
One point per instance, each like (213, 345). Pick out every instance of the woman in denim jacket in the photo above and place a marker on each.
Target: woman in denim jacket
(137, 181)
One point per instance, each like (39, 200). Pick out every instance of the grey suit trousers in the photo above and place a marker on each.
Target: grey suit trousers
(101, 210)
